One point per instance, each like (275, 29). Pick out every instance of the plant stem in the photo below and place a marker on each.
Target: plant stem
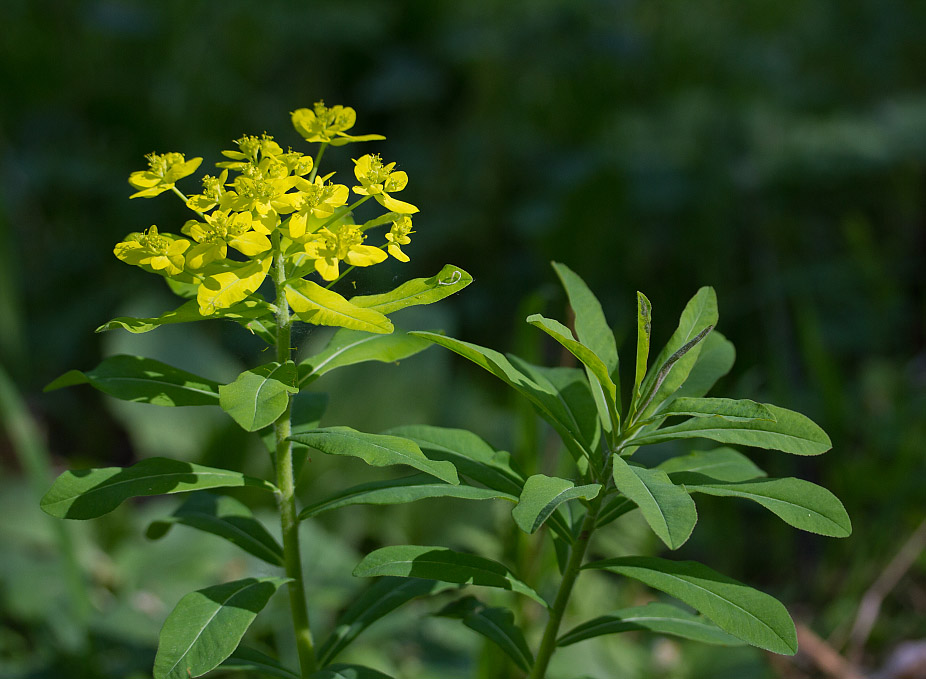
(570, 573)
(286, 483)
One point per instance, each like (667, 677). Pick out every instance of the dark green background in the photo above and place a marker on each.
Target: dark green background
(773, 150)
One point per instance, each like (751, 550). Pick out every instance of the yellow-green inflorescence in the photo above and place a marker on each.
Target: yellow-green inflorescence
(266, 202)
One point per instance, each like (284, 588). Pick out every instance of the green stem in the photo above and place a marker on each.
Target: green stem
(340, 213)
(318, 160)
(570, 573)
(286, 483)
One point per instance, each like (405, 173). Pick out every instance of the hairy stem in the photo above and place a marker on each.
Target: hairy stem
(287, 497)
(570, 573)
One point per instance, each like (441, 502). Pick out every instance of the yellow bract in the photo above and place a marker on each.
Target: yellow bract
(221, 290)
(315, 304)
(163, 172)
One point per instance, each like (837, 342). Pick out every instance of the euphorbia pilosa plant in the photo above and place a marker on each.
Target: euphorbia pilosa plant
(290, 225)
(269, 221)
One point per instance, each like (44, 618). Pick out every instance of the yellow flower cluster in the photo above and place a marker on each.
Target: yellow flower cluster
(273, 209)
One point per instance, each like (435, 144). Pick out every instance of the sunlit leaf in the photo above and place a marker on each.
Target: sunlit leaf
(348, 347)
(746, 613)
(260, 395)
(314, 304)
(667, 508)
(449, 280)
(89, 493)
(206, 626)
(187, 313)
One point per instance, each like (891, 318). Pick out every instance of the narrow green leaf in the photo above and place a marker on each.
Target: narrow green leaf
(317, 305)
(797, 502)
(89, 493)
(446, 565)
(249, 660)
(546, 401)
(644, 332)
(676, 360)
(348, 347)
(746, 613)
(378, 600)
(741, 410)
(400, 491)
(722, 464)
(449, 280)
(652, 617)
(260, 395)
(589, 358)
(226, 517)
(667, 508)
(791, 432)
(144, 380)
(542, 495)
(341, 671)
(378, 450)
(494, 623)
(206, 626)
(473, 457)
(188, 313)
(592, 328)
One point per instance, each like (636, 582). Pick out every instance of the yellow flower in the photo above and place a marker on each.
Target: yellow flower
(159, 253)
(164, 170)
(315, 201)
(328, 248)
(213, 194)
(328, 125)
(379, 180)
(220, 230)
(398, 236)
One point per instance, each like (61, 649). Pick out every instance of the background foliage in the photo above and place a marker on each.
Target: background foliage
(776, 151)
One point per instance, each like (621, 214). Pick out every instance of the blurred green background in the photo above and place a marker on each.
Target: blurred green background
(776, 151)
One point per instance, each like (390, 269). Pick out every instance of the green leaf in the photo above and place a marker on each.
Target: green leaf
(545, 399)
(644, 333)
(260, 395)
(742, 410)
(226, 517)
(144, 380)
(89, 493)
(377, 601)
(746, 613)
(306, 412)
(348, 347)
(797, 502)
(249, 660)
(400, 491)
(676, 360)
(446, 565)
(592, 328)
(378, 450)
(319, 306)
(494, 623)
(791, 432)
(472, 457)
(341, 671)
(589, 358)
(449, 280)
(206, 626)
(667, 508)
(652, 617)
(188, 313)
(722, 464)
(542, 495)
